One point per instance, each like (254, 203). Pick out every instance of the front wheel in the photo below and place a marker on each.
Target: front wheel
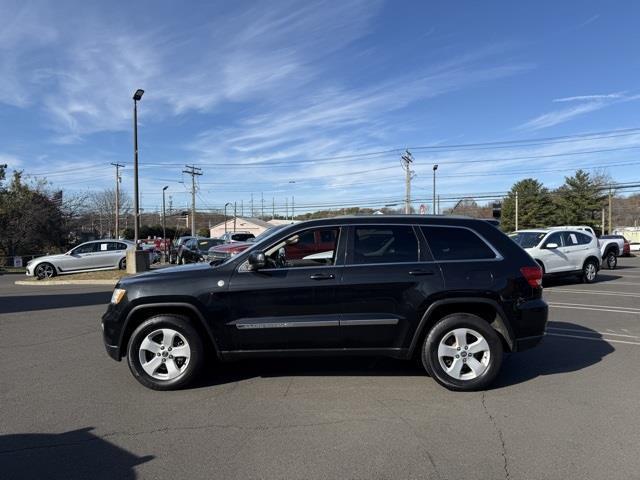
(612, 261)
(589, 271)
(123, 263)
(462, 352)
(45, 270)
(165, 352)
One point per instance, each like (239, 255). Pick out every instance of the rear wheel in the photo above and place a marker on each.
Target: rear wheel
(462, 352)
(612, 260)
(45, 270)
(589, 271)
(165, 352)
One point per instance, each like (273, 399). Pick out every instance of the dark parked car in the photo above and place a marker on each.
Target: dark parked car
(196, 249)
(173, 251)
(453, 292)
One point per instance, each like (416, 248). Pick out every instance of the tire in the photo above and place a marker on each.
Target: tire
(163, 371)
(122, 265)
(460, 330)
(44, 270)
(589, 271)
(612, 260)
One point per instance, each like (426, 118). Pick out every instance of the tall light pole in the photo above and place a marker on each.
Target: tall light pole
(164, 223)
(407, 160)
(435, 210)
(225, 216)
(137, 96)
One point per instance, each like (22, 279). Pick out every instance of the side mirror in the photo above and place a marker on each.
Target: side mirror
(257, 260)
(551, 246)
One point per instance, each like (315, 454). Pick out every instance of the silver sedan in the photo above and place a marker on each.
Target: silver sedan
(86, 257)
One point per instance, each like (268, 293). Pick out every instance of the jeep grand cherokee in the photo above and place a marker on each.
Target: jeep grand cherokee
(453, 292)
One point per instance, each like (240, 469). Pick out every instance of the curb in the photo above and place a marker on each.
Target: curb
(65, 282)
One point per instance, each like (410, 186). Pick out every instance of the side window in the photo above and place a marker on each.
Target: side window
(305, 249)
(583, 239)
(554, 238)
(384, 244)
(122, 246)
(570, 239)
(456, 244)
(112, 246)
(87, 248)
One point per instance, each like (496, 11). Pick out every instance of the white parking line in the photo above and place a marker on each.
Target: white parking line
(590, 333)
(596, 308)
(591, 338)
(592, 292)
(613, 283)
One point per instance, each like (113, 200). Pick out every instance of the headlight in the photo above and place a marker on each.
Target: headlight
(118, 295)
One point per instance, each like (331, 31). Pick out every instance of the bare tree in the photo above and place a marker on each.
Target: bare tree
(103, 206)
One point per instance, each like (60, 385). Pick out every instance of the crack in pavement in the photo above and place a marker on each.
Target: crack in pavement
(492, 419)
(416, 434)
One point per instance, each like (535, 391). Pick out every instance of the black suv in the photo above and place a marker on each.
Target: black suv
(453, 292)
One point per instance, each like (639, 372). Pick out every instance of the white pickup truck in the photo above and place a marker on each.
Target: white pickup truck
(610, 249)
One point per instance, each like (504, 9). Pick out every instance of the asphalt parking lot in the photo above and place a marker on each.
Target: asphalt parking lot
(567, 409)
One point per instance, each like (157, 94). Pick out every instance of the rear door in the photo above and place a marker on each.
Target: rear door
(388, 279)
(573, 248)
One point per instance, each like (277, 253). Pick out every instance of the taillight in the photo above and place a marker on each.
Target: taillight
(533, 275)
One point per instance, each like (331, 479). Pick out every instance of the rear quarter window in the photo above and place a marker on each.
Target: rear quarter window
(454, 243)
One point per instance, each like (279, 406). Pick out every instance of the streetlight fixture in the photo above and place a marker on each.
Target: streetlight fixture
(164, 223)
(225, 216)
(435, 211)
(137, 96)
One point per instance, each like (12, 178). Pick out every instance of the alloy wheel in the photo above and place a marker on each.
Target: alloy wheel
(164, 354)
(45, 271)
(464, 354)
(590, 271)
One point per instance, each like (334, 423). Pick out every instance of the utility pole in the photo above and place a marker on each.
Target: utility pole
(235, 214)
(194, 172)
(407, 160)
(118, 167)
(286, 208)
(164, 226)
(262, 205)
(439, 203)
(516, 210)
(436, 208)
(293, 206)
(602, 223)
(610, 195)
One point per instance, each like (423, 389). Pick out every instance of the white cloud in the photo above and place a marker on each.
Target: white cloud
(585, 104)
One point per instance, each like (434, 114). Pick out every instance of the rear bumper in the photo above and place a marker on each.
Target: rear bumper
(532, 322)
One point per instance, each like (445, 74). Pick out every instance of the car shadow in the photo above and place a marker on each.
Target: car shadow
(24, 303)
(78, 454)
(552, 357)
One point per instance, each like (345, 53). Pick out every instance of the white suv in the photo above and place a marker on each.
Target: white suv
(562, 252)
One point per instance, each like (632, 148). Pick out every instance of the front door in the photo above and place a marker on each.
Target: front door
(555, 260)
(290, 304)
(80, 258)
(387, 279)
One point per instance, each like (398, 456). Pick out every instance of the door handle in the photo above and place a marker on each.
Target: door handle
(417, 273)
(322, 276)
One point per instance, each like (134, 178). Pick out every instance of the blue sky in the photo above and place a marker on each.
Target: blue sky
(264, 95)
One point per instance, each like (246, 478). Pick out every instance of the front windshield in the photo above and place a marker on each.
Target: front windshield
(207, 243)
(527, 239)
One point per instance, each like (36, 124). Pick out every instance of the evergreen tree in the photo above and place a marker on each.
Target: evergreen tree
(579, 200)
(535, 207)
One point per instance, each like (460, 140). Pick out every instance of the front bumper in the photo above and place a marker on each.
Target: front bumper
(112, 325)
(29, 271)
